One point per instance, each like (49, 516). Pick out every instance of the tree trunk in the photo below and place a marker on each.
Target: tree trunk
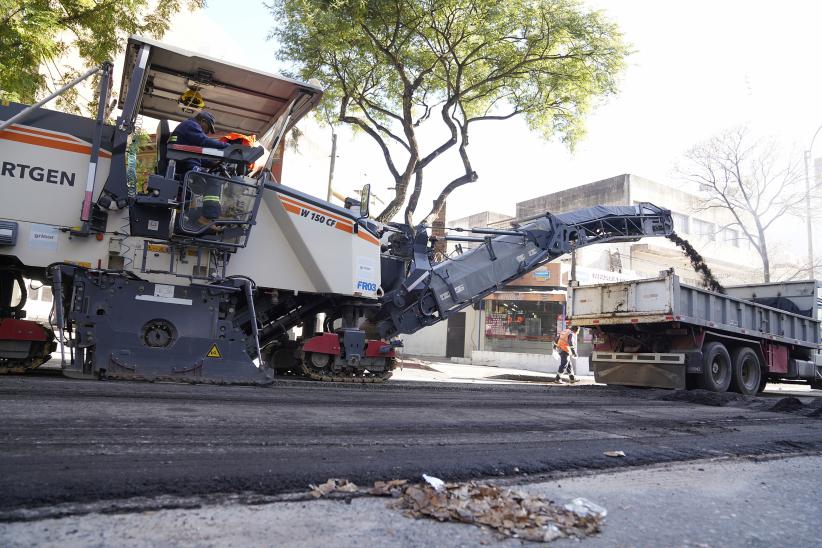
(438, 232)
(763, 253)
(414, 199)
(331, 166)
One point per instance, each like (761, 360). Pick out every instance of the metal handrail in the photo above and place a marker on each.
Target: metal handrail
(22, 114)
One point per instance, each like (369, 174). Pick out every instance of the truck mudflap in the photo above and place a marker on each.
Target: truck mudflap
(640, 369)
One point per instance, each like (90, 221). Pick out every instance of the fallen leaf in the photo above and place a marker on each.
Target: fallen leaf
(332, 485)
(388, 488)
(510, 513)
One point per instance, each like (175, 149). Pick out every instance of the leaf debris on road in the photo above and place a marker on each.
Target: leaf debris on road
(391, 488)
(510, 513)
(333, 485)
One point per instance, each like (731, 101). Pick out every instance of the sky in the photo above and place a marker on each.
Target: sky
(698, 68)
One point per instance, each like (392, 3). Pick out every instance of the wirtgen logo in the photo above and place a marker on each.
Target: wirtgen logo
(37, 174)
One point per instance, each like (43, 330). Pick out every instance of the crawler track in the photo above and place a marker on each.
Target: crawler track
(327, 374)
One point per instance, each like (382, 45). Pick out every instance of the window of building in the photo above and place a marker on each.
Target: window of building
(819, 299)
(730, 236)
(32, 294)
(704, 229)
(45, 294)
(528, 327)
(681, 225)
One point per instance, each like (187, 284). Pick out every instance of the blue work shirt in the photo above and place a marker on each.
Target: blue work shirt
(190, 133)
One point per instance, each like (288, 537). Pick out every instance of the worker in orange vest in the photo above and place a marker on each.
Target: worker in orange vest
(566, 344)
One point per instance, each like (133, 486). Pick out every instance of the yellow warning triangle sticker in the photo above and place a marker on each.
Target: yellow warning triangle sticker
(214, 352)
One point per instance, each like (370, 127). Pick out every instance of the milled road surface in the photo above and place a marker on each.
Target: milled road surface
(716, 502)
(64, 441)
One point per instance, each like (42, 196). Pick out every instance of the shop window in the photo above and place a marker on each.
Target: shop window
(528, 327)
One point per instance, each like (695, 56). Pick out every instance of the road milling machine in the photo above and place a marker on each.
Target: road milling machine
(147, 286)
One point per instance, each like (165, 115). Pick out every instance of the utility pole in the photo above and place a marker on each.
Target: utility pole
(809, 225)
(573, 266)
(333, 161)
(808, 215)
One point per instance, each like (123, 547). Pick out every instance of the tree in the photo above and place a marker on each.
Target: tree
(802, 271)
(392, 65)
(37, 35)
(751, 179)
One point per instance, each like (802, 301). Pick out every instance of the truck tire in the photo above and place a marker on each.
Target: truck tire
(717, 367)
(747, 371)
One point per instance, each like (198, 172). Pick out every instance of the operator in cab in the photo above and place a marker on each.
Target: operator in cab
(194, 132)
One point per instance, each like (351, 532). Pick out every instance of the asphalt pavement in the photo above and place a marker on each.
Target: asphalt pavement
(75, 446)
(727, 502)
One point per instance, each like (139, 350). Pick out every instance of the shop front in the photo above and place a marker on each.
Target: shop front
(526, 315)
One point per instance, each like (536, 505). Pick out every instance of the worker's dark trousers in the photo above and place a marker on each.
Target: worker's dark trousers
(211, 198)
(565, 364)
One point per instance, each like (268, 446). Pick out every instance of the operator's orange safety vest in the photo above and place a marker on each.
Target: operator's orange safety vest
(562, 341)
(240, 139)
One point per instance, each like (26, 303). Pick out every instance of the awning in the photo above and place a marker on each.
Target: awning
(242, 99)
(558, 297)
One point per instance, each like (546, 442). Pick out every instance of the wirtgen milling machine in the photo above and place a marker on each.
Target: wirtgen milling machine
(146, 286)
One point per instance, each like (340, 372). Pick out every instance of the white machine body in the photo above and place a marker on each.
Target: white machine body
(43, 176)
(298, 242)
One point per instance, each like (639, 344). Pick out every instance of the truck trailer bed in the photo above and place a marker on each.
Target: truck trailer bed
(665, 299)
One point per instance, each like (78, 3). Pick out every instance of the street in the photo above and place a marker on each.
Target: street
(65, 442)
(715, 502)
(306, 273)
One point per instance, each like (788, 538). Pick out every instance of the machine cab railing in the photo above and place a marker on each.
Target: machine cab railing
(218, 201)
(217, 210)
(207, 212)
(213, 203)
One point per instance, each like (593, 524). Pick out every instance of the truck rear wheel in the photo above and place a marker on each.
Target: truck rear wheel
(747, 371)
(717, 370)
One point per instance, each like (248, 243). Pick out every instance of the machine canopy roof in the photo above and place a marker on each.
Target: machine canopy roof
(242, 99)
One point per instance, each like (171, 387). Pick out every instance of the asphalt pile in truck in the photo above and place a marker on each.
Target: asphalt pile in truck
(698, 263)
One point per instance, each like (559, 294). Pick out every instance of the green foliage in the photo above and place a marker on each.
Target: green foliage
(37, 35)
(390, 65)
(139, 164)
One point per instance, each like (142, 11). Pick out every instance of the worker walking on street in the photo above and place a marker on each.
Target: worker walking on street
(566, 344)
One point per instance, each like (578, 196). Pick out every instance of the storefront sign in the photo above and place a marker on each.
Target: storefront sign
(545, 275)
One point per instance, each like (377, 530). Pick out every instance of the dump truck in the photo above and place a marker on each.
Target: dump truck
(660, 332)
(148, 286)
